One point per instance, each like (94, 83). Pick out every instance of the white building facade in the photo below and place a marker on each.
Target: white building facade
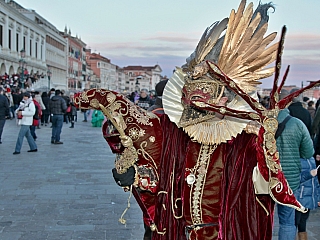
(18, 33)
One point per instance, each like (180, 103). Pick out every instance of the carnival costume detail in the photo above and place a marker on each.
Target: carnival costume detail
(208, 168)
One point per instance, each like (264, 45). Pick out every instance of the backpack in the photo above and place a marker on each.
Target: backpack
(38, 111)
(281, 126)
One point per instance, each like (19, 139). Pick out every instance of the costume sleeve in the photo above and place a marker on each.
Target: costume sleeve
(138, 126)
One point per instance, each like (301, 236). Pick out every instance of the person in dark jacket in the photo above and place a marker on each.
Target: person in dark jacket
(157, 107)
(297, 110)
(71, 111)
(4, 111)
(45, 112)
(307, 195)
(144, 100)
(58, 107)
(17, 98)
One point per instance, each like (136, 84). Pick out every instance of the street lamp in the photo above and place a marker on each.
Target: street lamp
(22, 65)
(49, 73)
(137, 85)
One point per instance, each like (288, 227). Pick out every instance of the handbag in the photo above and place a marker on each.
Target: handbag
(68, 109)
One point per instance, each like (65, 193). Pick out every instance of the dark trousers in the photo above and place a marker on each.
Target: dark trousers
(44, 118)
(33, 132)
(301, 220)
(2, 122)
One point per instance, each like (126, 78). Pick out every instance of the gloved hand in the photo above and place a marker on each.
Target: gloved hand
(126, 179)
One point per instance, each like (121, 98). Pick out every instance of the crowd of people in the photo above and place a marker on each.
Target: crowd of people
(15, 80)
(32, 110)
(299, 148)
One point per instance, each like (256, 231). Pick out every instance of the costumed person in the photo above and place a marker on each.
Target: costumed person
(97, 118)
(208, 168)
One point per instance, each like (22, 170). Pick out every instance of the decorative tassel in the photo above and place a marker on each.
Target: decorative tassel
(121, 219)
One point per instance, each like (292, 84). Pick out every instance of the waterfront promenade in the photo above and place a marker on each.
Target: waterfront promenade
(67, 191)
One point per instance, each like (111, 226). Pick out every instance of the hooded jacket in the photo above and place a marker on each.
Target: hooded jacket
(294, 143)
(57, 105)
(308, 192)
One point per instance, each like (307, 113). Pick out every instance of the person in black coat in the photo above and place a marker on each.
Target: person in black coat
(46, 112)
(297, 110)
(4, 111)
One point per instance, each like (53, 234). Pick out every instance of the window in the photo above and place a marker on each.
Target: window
(36, 50)
(1, 34)
(24, 43)
(30, 48)
(9, 39)
(17, 42)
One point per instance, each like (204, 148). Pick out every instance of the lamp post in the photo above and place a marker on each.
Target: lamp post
(49, 73)
(137, 88)
(22, 65)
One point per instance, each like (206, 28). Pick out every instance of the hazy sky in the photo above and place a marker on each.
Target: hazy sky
(149, 32)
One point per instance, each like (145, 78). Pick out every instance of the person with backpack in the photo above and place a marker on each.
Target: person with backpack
(293, 142)
(24, 115)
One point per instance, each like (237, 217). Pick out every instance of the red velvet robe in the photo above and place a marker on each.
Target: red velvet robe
(228, 200)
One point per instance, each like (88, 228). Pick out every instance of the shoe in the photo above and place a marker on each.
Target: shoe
(58, 142)
(0, 142)
(34, 150)
(16, 153)
(84, 121)
(45, 125)
(38, 127)
(52, 141)
(71, 127)
(42, 124)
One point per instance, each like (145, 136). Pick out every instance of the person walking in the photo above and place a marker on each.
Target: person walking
(307, 194)
(36, 116)
(24, 115)
(38, 98)
(293, 143)
(58, 107)
(4, 111)
(71, 111)
(45, 111)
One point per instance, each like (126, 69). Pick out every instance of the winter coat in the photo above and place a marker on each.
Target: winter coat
(308, 192)
(27, 114)
(45, 101)
(297, 110)
(4, 107)
(145, 103)
(57, 105)
(294, 143)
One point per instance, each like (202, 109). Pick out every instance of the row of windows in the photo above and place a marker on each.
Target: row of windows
(55, 43)
(16, 47)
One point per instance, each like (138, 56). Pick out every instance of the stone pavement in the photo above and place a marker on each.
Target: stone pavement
(67, 191)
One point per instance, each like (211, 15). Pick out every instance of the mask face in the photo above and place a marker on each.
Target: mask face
(203, 89)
